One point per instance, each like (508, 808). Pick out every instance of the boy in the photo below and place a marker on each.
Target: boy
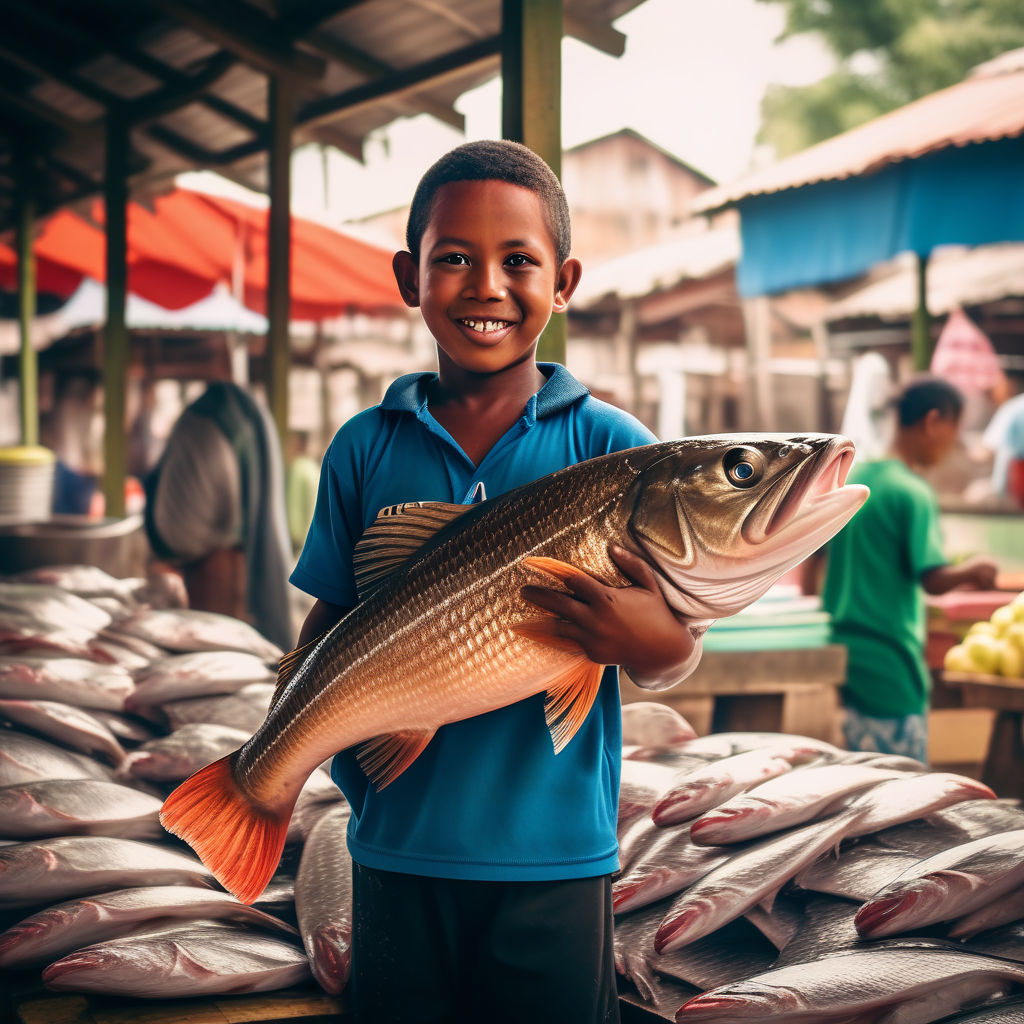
(482, 874)
(877, 566)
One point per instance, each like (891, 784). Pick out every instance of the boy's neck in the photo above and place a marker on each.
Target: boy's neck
(511, 386)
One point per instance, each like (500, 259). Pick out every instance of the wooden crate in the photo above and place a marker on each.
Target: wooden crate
(30, 1003)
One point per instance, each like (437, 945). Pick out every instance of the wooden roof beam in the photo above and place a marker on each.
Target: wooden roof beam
(342, 53)
(600, 37)
(247, 32)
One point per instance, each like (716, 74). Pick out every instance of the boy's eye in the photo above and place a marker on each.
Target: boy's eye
(518, 259)
(454, 259)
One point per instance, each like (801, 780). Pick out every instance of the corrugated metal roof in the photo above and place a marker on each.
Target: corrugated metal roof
(956, 277)
(660, 266)
(987, 105)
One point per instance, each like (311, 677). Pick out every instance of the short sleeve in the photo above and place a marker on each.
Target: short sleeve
(324, 568)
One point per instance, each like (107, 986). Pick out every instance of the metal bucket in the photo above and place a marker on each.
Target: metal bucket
(117, 546)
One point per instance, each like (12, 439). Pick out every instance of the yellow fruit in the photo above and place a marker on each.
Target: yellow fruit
(958, 660)
(985, 627)
(1002, 617)
(1011, 660)
(985, 652)
(1015, 632)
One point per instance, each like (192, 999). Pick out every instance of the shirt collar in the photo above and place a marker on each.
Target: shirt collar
(409, 392)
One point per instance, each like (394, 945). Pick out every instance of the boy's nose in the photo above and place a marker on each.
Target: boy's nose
(486, 282)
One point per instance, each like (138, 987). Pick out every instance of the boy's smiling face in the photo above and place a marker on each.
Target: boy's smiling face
(488, 277)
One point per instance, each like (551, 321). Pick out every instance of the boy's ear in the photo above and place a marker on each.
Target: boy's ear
(407, 274)
(568, 277)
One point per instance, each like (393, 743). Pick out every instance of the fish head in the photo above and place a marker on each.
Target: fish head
(745, 1001)
(722, 517)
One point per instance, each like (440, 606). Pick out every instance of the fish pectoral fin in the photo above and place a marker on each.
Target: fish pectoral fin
(559, 570)
(569, 699)
(385, 757)
(544, 631)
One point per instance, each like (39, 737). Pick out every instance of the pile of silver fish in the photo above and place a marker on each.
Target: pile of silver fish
(762, 875)
(111, 694)
(767, 876)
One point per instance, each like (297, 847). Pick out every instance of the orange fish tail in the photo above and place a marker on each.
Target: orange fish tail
(238, 841)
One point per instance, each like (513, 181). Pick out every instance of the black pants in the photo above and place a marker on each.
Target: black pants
(444, 951)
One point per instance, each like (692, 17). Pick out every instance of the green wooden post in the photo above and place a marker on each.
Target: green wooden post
(28, 363)
(279, 257)
(920, 331)
(531, 103)
(115, 335)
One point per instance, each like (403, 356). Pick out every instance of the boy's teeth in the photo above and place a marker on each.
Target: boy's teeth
(480, 326)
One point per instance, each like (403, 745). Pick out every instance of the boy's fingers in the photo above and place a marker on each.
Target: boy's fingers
(555, 601)
(633, 566)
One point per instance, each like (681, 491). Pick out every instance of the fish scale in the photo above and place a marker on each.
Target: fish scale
(447, 635)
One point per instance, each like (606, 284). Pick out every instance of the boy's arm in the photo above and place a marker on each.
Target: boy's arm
(976, 573)
(321, 617)
(629, 626)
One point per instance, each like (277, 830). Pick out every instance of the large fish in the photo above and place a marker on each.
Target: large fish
(182, 959)
(443, 633)
(947, 885)
(323, 900)
(889, 982)
(51, 933)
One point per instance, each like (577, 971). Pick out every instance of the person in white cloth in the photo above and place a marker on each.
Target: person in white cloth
(215, 507)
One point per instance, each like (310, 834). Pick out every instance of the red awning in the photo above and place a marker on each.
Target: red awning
(191, 242)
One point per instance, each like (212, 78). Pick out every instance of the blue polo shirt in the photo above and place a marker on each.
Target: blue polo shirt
(487, 798)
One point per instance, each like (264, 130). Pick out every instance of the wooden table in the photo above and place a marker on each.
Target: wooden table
(792, 691)
(1004, 761)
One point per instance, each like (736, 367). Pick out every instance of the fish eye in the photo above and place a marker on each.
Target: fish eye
(743, 466)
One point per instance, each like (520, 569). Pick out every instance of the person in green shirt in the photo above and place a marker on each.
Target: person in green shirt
(879, 567)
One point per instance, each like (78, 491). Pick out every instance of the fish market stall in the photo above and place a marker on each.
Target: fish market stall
(764, 873)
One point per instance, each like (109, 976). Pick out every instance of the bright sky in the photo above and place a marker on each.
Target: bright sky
(691, 80)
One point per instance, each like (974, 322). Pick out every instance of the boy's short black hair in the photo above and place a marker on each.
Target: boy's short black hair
(924, 393)
(492, 160)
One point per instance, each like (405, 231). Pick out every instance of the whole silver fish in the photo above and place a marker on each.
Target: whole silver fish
(718, 782)
(77, 681)
(915, 796)
(48, 870)
(188, 629)
(648, 723)
(245, 709)
(947, 885)
(77, 807)
(197, 674)
(25, 758)
(65, 725)
(444, 632)
(51, 933)
(747, 878)
(50, 607)
(176, 756)
(188, 959)
(886, 983)
(784, 801)
(323, 900)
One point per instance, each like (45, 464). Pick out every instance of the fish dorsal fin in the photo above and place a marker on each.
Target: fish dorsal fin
(288, 664)
(398, 532)
(384, 758)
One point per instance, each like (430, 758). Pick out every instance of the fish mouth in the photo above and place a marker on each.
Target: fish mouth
(743, 1002)
(808, 498)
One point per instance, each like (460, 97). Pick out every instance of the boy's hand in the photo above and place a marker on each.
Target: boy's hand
(629, 626)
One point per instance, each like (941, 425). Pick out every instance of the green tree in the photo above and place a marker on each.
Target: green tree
(888, 53)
